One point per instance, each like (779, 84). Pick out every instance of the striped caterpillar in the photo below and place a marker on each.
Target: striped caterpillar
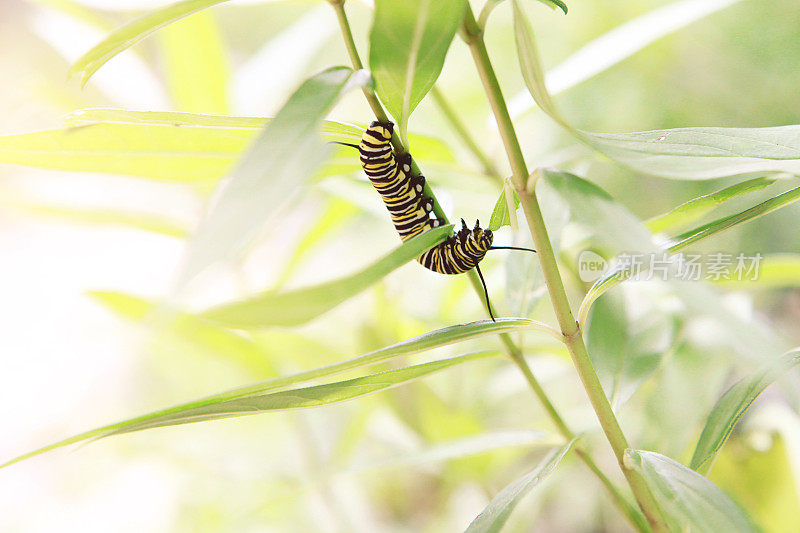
(412, 212)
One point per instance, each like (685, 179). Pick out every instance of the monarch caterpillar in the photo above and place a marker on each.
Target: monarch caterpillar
(412, 212)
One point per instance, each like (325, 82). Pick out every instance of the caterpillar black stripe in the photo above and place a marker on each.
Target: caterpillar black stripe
(412, 212)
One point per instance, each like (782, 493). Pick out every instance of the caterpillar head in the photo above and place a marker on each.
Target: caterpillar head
(483, 237)
(382, 128)
(479, 237)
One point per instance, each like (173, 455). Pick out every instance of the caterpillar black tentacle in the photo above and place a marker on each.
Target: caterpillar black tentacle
(412, 212)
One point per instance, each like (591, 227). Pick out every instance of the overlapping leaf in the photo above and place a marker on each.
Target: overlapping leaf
(732, 406)
(134, 31)
(618, 44)
(408, 43)
(280, 160)
(494, 516)
(681, 153)
(296, 307)
(215, 408)
(690, 501)
(184, 147)
(694, 209)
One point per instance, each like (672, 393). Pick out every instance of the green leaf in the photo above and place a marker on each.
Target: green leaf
(702, 153)
(617, 276)
(102, 216)
(531, 67)
(408, 43)
(196, 64)
(332, 217)
(774, 271)
(690, 501)
(166, 146)
(501, 214)
(215, 409)
(626, 350)
(159, 151)
(494, 516)
(555, 4)
(732, 406)
(681, 153)
(618, 44)
(134, 31)
(612, 224)
(712, 228)
(299, 306)
(281, 159)
(694, 209)
(138, 309)
(189, 333)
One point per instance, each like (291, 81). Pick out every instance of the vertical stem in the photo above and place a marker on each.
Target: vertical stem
(555, 286)
(513, 350)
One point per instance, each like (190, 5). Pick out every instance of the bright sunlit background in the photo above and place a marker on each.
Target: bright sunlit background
(71, 360)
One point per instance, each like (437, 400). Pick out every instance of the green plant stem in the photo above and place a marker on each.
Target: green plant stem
(512, 349)
(372, 98)
(558, 295)
(461, 130)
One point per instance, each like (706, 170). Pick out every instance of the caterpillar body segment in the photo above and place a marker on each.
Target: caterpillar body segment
(411, 211)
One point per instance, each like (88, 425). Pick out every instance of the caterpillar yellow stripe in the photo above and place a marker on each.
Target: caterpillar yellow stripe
(411, 211)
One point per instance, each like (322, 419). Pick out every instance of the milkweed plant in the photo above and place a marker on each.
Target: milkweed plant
(611, 385)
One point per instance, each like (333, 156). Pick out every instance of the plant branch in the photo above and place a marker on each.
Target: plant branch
(372, 98)
(573, 339)
(512, 349)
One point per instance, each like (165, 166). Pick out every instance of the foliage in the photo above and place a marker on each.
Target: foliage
(291, 267)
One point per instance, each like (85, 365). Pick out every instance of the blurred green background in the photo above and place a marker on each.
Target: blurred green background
(72, 360)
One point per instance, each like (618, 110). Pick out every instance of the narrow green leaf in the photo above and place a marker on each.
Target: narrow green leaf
(681, 153)
(332, 217)
(189, 333)
(732, 406)
(703, 153)
(102, 216)
(408, 43)
(281, 159)
(299, 306)
(196, 64)
(139, 309)
(712, 228)
(165, 145)
(555, 4)
(134, 31)
(531, 67)
(774, 271)
(618, 44)
(314, 396)
(612, 224)
(690, 501)
(617, 276)
(486, 10)
(694, 209)
(494, 516)
(171, 153)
